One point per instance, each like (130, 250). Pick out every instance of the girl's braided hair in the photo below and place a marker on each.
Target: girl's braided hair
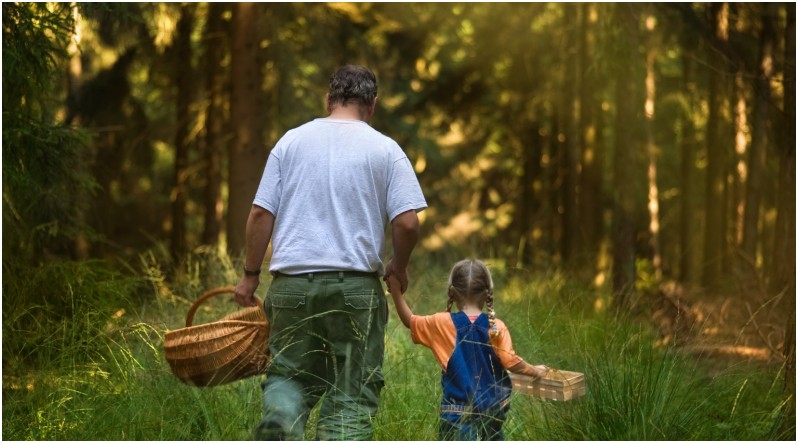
(470, 279)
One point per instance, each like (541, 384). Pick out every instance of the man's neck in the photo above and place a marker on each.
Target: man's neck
(352, 112)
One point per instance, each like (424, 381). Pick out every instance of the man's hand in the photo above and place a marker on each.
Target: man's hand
(244, 293)
(400, 274)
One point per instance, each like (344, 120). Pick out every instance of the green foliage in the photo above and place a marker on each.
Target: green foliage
(130, 395)
(635, 389)
(59, 314)
(34, 44)
(45, 187)
(637, 393)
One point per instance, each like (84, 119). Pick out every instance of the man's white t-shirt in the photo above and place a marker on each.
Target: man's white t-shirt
(333, 185)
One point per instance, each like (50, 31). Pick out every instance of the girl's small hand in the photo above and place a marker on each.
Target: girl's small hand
(540, 371)
(394, 285)
(403, 311)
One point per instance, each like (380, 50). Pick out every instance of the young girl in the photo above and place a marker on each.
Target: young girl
(474, 350)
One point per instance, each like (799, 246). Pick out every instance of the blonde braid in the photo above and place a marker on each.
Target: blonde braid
(492, 315)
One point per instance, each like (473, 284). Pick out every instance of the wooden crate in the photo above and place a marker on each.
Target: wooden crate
(558, 385)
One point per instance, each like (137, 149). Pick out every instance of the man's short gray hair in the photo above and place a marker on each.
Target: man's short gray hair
(353, 83)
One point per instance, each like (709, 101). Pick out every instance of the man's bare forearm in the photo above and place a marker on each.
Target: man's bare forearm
(405, 232)
(258, 233)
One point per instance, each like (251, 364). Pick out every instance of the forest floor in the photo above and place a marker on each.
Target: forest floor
(725, 329)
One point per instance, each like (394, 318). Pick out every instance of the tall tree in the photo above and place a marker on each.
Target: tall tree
(590, 205)
(571, 109)
(714, 239)
(623, 232)
(215, 121)
(687, 167)
(784, 264)
(739, 173)
(246, 155)
(651, 45)
(184, 88)
(758, 149)
(783, 257)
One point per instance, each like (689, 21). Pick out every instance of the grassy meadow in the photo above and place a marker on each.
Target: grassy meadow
(90, 365)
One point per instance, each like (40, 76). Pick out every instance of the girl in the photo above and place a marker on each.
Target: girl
(474, 350)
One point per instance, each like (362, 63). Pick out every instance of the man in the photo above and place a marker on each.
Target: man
(328, 191)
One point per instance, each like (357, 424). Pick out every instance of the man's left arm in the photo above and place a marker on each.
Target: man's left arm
(405, 231)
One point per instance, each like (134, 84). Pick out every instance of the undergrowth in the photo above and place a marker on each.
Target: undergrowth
(83, 360)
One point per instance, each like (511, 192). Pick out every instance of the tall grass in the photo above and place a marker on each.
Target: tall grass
(109, 381)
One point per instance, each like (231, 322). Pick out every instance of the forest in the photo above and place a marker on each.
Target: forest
(626, 169)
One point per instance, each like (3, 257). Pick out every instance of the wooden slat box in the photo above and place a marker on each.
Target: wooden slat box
(557, 385)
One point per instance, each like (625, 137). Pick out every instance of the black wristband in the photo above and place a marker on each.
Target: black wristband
(251, 273)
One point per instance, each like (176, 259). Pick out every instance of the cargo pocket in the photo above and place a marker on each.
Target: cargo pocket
(287, 300)
(363, 308)
(285, 309)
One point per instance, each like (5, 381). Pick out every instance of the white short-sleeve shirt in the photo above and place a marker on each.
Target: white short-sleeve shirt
(333, 185)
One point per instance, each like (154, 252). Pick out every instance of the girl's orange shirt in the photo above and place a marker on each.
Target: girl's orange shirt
(438, 333)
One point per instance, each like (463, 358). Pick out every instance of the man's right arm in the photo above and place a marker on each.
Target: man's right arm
(258, 234)
(405, 231)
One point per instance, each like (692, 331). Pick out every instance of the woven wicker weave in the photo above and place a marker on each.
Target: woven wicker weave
(557, 385)
(233, 348)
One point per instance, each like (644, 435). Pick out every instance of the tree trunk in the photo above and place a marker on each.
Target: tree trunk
(652, 151)
(783, 257)
(715, 172)
(215, 122)
(571, 108)
(624, 266)
(591, 179)
(526, 206)
(183, 83)
(246, 152)
(554, 148)
(687, 144)
(740, 169)
(784, 251)
(758, 150)
(81, 247)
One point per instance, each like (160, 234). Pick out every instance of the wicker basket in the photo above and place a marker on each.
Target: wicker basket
(219, 352)
(557, 385)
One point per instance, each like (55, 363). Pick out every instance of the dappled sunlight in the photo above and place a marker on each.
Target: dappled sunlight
(599, 304)
(165, 20)
(603, 265)
(459, 227)
(419, 165)
(581, 150)
(17, 383)
(599, 279)
(453, 137)
(515, 291)
(747, 352)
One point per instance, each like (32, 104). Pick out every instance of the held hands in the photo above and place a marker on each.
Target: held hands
(400, 275)
(394, 285)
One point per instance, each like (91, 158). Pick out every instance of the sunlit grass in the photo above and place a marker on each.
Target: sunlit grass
(111, 382)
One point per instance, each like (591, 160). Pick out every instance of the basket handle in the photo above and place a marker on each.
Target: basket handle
(206, 296)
